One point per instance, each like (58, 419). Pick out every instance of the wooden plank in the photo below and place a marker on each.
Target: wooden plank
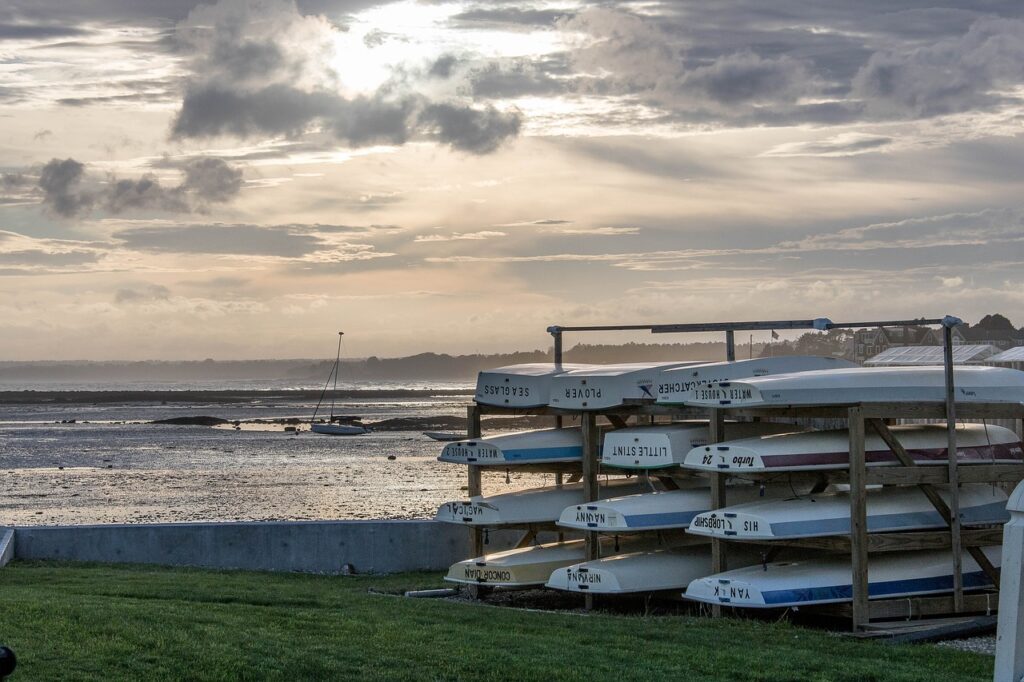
(954, 479)
(937, 475)
(915, 607)
(906, 460)
(892, 542)
(858, 520)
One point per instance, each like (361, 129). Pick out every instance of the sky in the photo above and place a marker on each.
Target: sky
(241, 180)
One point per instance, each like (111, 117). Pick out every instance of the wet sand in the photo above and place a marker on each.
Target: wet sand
(138, 473)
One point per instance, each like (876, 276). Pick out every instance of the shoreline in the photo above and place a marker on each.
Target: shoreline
(33, 397)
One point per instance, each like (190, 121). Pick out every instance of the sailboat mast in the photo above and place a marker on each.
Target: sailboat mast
(337, 371)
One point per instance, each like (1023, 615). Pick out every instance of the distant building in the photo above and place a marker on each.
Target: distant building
(1013, 358)
(868, 343)
(991, 330)
(912, 356)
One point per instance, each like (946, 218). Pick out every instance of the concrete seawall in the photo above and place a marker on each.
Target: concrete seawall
(305, 546)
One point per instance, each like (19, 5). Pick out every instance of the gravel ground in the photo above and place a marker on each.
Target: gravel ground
(979, 645)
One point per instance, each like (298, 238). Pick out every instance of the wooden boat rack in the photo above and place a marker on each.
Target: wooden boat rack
(858, 418)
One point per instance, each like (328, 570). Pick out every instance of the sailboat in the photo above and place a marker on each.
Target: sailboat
(334, 427)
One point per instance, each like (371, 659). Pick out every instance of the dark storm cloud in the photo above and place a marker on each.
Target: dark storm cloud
(207, 180)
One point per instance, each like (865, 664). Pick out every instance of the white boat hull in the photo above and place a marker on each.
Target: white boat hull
(338, 429)
(828, 580)
(656, 571)
(657, 447)
(528, 566)
(816, 450)
(864, 385)
(537, 505)
(888, 510)
(523, 447)
(605, 386)
(522, 386)
(654, 511)
(674, 385)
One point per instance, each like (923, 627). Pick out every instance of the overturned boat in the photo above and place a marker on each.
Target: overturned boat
(888, 510)
(601, 387)
(657, 510)
(814, 450)
(828, 580)
(864, 385)
(519, 386)
(536, 505)
(657, 447)
(521, 447)
(674, 385)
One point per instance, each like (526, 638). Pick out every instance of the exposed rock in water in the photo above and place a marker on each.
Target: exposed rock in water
(199, 420)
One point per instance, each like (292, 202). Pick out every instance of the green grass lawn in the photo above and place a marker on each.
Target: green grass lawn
(91, 622)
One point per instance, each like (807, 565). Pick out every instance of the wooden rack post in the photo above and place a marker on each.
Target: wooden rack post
(591, 455)
(719, 560)
(474, 486)
(858, 519)
(954, 477)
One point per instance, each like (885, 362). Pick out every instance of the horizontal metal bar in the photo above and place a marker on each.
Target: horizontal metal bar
(887, 323)
(821, 323)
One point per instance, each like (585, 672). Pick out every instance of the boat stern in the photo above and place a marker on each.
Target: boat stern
(471, 452)
(724, 457)
(722, 523)
(585, 578)
(468, 513)
(725, 591)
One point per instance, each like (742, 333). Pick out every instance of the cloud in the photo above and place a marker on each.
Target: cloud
(471, 130)
(152, 292)
(60, 181)
(206, 180)
(265, 69)
(23, 31)
(460, 236)
(844, 144)
(306, 243)
(510, 17)
(952, 75)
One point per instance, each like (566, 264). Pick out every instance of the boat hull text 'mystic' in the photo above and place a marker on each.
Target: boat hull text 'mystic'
(925, 443)
(829, 581)
(519, 386)
(523, 447)
(864, 385)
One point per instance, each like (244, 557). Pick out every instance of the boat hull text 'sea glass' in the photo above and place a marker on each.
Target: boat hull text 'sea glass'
(522, 447)
(888, 509)
(829, 581)
(674, 385)
(864, 385)
(812, 450)
(519, 386)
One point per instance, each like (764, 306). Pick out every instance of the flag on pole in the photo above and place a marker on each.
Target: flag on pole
(775, 334)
